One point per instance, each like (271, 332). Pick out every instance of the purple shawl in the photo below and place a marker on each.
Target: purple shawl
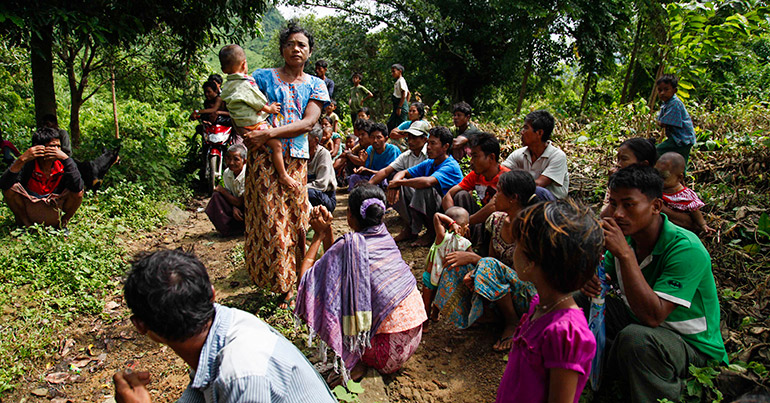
(355, 285)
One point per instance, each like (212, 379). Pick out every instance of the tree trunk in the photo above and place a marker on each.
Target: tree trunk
(76, 95)
(41, 58)
(527, 72)
(114, 105)
(632, 61)
(586, 88)
(654, 93)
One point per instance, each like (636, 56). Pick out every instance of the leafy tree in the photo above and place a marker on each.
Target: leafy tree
(85, 35)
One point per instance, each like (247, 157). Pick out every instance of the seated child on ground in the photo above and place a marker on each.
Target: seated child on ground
(558, 247)
(331, 140)
(248, 105)
(457, 221)
(333, 118)
(681, 204)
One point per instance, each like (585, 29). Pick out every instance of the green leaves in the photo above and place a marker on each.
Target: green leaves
(349, 394)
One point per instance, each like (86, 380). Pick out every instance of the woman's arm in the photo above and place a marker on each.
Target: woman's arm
(562, 386)
(257, 138)
(336, 146)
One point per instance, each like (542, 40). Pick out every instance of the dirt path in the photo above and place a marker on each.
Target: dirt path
(449, 366)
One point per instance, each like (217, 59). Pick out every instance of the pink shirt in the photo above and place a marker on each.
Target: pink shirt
(559, 339)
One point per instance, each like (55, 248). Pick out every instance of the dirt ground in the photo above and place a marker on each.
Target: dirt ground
(449, 366)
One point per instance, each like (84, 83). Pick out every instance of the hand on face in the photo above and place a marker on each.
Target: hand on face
(614, 240)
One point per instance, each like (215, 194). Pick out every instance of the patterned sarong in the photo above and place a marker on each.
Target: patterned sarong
(276, 219)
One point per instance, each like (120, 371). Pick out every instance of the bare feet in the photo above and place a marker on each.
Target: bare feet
(425, 240)
(405, 235)
(288, 181)
(356, 374)
(506, 340)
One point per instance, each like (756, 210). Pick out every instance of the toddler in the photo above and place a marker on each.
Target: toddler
(681, 204)
(558, 245)
(248, 105)
(457, 221)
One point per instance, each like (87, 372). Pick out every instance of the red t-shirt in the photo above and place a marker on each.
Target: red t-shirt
(484, 188)
(43, 185)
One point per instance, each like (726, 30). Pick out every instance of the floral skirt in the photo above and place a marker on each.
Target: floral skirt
(276, 219)
(491, 281)
(390, 351)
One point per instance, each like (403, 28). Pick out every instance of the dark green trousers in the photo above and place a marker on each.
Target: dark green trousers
(670, 145)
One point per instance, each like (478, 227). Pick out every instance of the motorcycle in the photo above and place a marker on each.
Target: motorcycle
(217, 138)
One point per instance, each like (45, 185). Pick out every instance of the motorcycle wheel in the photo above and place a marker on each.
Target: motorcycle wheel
(213, 170)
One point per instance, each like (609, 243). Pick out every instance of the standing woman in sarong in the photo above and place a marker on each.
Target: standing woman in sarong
(276, 216)
(361, 298)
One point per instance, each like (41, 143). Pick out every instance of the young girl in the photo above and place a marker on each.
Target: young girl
(636, 150)
(557, 249)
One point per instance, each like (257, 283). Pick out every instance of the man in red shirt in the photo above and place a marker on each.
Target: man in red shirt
(43, 186)
(486, 170)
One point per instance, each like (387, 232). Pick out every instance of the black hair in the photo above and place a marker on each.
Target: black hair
(643, 149)
(44, 135)
(332, 102)
(362, 125)
(322, 63)
(365, 110)
(216, 77)
(541, 120)
(443, 134)
(374, 212)
(645, 178)
(230, 56)
(212, 85)
(518, 184)
(326, 118)
(564, 239)
(420, 108)
(397, 67)
(357, 74)
(170, 292)
(292, 28)
(378, 127)
(462, 107)
(669, 79)
(488, 143)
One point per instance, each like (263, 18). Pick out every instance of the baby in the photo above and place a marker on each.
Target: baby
(248, 105)
(681, 204)
(457, 221)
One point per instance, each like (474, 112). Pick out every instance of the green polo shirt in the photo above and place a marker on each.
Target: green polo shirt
(679, 271)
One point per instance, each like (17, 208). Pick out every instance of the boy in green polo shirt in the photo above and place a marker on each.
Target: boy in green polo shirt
(669, 314)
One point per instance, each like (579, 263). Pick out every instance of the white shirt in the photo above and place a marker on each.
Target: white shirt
(399, 88)
(236, 186)
(552, 164)
(408, 159)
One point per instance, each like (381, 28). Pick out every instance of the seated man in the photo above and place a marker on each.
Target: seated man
(486, 171)
(321, 183)
(232, 354)
(668, 317)
(546, 163)
(421, 187)
(378, 155)
(417, 139)
(225, 209)
(43, 186)
(464, 129)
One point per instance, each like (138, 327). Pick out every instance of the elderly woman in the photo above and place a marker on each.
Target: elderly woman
(491, 279)
(361, 298)
(276, 216)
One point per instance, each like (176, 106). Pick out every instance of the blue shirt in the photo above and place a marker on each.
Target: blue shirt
(378, 161)
(448, 173)
(246, 360)
(677, 120)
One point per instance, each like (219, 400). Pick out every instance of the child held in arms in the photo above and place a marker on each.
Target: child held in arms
(248, 105)
(673, 117)
(558, 245)
(680, 203)
(451, 231)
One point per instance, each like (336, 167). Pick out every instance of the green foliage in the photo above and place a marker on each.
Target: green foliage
(702, 385)
(350, 393)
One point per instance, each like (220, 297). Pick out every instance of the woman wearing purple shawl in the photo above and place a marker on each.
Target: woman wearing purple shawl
(360, 298)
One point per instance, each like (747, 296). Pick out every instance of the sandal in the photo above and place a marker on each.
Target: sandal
(289, 303)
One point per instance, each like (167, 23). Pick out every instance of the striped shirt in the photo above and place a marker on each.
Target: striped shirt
(246, 360)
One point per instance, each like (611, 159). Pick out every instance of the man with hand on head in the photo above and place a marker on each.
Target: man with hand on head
(233, 355)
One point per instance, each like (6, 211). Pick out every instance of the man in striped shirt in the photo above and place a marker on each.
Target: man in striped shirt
(233, 355)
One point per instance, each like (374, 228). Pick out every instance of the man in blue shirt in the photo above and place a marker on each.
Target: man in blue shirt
(233, 355)
(416, 193)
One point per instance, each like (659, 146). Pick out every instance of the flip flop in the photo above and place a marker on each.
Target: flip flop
(502, 340)
(290, 303)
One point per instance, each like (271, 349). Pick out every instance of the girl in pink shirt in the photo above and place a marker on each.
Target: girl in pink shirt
(557, 249)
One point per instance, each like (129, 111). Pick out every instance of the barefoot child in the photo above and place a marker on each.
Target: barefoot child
(674, 119)
(557, 249)
(248, 106)
(681, 204)
(456, 221)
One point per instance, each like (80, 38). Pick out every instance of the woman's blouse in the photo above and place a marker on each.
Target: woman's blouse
(503, 249)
